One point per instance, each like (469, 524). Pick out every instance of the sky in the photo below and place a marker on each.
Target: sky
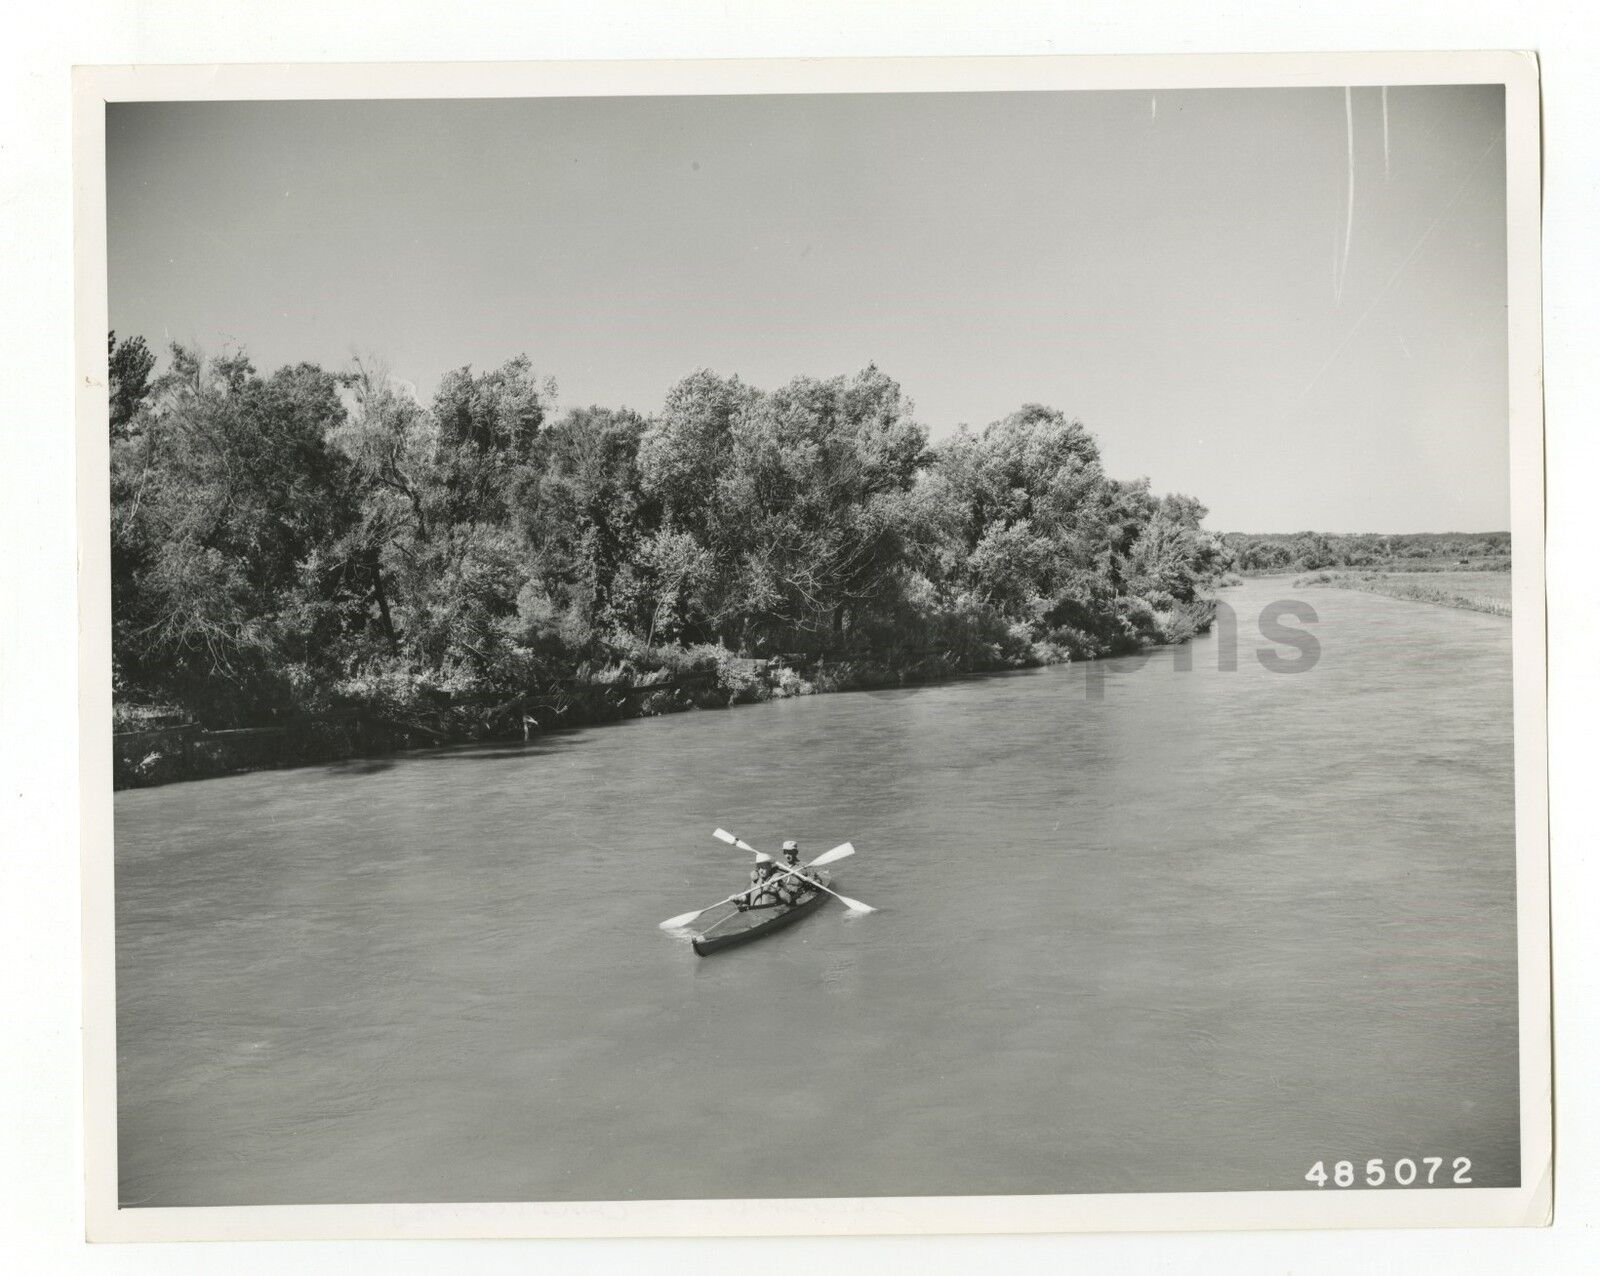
(1290, 303)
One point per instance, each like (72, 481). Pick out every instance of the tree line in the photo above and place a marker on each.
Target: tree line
(1311, 551)
(291, 542)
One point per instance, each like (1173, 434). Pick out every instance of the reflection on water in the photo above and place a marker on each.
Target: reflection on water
(1194, 935)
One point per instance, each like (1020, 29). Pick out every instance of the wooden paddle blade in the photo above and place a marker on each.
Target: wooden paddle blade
(683, 919)
(855, 905)
(745, 846)
(722, 835)
(837, 853)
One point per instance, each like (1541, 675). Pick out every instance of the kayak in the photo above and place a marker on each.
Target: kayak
(758, 921)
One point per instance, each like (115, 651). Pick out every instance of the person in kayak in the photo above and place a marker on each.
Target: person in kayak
(794, 887)
(762, 893)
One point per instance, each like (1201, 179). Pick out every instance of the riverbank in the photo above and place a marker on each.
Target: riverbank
(165, 752)
(1484, 591)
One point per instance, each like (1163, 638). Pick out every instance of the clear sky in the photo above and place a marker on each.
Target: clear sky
(1171, 268)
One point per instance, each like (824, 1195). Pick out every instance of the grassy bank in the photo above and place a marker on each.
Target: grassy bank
(1484, 591)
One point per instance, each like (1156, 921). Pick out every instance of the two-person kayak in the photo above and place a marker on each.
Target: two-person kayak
(760, 920)
(751, 923)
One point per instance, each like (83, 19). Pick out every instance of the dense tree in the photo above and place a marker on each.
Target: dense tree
(488, 427)
(231, 510)
(584, 515)
(817, 472)
(130, 363)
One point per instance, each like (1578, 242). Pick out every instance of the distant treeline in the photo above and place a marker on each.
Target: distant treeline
(1310, 551)
(315, 541)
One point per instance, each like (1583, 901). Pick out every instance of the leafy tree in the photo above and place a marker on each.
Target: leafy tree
(228, 594)
(488, 425)
(1038, 519)
(683, 456)
(584, 515)
(130, 363)
(820, 470)
(393, 443)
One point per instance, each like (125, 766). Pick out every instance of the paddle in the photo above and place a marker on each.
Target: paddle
(827, 857)
(722, 835)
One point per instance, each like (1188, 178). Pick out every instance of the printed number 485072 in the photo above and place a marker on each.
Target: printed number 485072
(1403, 1173)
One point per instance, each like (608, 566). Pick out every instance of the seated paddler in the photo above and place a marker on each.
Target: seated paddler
(762, 892)
(792, 888)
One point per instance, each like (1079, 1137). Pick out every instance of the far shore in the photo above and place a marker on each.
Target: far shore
(1488, 592)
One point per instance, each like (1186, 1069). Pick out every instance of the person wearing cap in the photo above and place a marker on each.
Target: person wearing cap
(791, 888)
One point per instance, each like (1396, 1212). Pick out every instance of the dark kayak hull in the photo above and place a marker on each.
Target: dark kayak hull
(760, 926)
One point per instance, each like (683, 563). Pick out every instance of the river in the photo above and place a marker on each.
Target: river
(1195, 933)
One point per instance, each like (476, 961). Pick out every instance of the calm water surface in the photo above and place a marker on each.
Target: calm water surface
(1194, 935)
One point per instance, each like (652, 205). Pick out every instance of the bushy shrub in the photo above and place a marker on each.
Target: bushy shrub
(786, 682)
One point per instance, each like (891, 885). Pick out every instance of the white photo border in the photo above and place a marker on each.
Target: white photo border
(1526, 1205)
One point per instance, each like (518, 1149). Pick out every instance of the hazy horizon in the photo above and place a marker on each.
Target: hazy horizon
(1294, 314)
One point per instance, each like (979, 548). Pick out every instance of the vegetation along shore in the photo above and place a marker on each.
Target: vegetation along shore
(314, 564)
(1485, 591)
(1470, 571)
(1273, 554)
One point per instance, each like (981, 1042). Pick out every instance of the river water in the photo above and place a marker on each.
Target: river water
(1197, 932)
